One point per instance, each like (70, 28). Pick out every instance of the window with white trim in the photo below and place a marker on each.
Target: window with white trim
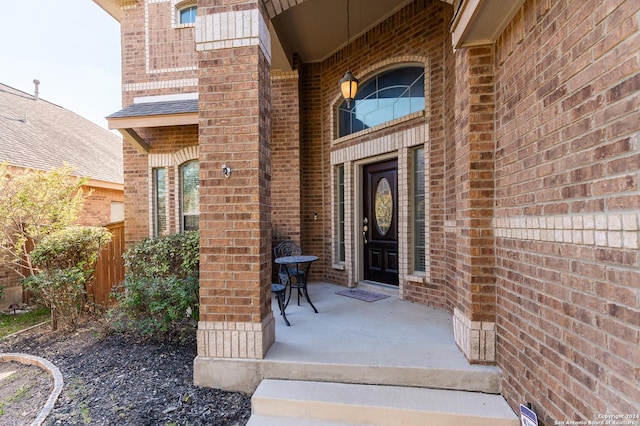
(340, 237)
(159, 201)
(190, 195)
(419, 213)
(188, 15)
(185, 13)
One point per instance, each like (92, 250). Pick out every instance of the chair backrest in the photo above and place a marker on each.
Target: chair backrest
(283, 277)
(287, 248)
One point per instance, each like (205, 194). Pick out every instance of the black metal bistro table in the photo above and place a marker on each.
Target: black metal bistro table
(294, 264)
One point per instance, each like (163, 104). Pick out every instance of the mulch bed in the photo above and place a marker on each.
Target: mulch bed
(112, 379)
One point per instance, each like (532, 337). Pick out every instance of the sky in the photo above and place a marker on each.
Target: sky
(71, 46)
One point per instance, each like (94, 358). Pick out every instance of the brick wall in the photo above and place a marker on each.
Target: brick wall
(567, 203)
(158, 56)
(10, 281)
(311, 195)
(285, 157)
(473, 170)
(472, 178)
(450, 249)
(136, 195)
(97, 207)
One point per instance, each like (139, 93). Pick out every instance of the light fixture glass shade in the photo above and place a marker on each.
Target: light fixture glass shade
(349, 87)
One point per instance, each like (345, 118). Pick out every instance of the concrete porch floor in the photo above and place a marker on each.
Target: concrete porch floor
(386, 342)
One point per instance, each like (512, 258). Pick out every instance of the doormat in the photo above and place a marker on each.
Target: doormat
(367, 296)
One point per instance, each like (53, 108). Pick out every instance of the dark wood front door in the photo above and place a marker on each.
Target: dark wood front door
(380, 222)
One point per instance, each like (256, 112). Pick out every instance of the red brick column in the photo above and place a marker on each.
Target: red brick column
(236, 321)
(475, 307)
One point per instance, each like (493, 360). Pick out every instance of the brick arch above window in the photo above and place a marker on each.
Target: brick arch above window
(174, 159)
(186, 154)
(184, 3)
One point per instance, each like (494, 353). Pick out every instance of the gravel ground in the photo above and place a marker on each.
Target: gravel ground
(113, 379)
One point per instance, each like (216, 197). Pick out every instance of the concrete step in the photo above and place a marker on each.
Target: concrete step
(485, 379)
(376, 405)
(261, 420)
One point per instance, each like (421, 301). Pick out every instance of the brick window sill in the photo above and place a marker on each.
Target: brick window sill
(417, 277)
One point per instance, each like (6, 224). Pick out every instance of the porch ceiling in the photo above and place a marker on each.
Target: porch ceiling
(315, 29)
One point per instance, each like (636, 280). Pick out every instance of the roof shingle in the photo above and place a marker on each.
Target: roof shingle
(42, 135)
(157, 108)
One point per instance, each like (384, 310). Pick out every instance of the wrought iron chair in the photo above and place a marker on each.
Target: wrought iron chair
(289, 248)
(279, 290)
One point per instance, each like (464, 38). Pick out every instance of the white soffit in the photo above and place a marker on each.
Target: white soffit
(112, 7)
(481, 21)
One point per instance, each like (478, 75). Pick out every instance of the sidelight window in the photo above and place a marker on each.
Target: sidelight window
(340, 219)
(419, 213)
(159, 201)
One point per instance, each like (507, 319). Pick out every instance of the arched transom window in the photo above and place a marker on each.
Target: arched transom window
(385, 97)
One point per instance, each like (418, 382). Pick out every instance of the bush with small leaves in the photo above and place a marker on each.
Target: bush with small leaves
(174, 255)
(159, 298)
(65, 261)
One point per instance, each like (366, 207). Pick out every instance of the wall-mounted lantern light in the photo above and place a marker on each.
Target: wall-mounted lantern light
(349, 87)
(348, 84)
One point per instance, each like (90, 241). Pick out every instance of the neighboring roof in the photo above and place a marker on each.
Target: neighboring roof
(157, 108)
(41, 135)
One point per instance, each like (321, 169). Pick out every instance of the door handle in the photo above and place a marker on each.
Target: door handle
(365, 228)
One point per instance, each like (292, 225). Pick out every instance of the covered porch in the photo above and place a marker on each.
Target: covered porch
(385, 342)
(295, 176)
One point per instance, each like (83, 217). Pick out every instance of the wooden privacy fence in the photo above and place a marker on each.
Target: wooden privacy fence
(109, 270)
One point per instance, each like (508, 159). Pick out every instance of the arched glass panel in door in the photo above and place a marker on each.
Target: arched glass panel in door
(383, 206)
(387, 96)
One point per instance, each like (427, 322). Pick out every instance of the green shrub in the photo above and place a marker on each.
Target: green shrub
(35, 203)
(65, 261)
(175, 255)
(159, 298)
